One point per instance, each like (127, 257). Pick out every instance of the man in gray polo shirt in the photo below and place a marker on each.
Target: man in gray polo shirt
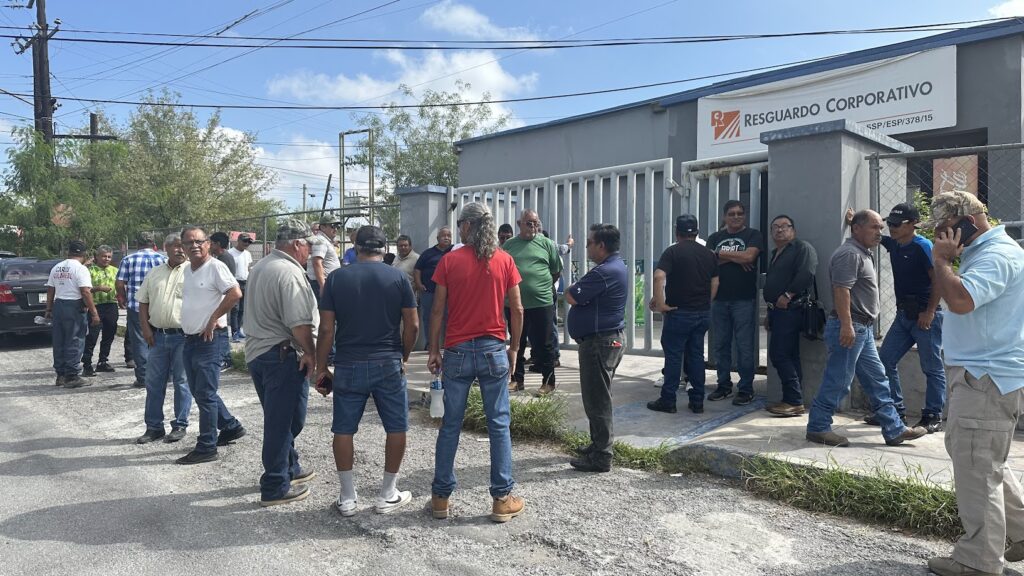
(850, 339)
(280, 353)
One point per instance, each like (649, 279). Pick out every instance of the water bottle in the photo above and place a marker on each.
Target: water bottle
(436, 397)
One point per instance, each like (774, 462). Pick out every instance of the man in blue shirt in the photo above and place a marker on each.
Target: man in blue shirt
(423, 279)
(984, 347)
(918, 316)
(595, 321)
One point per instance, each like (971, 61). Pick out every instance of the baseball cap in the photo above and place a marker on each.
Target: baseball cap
(686, 225)
(902, 213)
(294, 229)
(952, 205)
(245, 238)
(371, 237)
(76, 247)
(329, 220)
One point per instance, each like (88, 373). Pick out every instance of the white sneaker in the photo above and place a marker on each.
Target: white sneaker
(659, 382)
(346, 507)
(400, 499)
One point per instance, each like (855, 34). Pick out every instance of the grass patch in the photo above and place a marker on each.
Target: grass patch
(238, 360)
(912, 502)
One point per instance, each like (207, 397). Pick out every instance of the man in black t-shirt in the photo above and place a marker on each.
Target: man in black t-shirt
(685, 283)
(733, 311)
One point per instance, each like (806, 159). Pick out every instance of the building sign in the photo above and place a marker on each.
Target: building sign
(957, 173)
(893, 96)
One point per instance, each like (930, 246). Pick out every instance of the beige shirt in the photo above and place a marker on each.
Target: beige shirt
(407, 264)
(277, 298)
(162, 289)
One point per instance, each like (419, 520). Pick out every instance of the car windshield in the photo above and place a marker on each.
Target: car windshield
(26, 270)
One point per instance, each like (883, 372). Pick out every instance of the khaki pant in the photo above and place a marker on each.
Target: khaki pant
(978, 435)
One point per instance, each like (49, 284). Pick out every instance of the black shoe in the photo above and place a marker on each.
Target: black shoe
(177, 433)
(585, 450)
(75, 381)
(225, 367)
(129, 364)
(228, 436)
(742, 399)
(661, 405)
(930, 423)
(588, 464)
(696, 408)
(150, 436)
(720, 394)
(104, 367)
(138, 384)
(87, 371)
(60, 380)
(194, 457)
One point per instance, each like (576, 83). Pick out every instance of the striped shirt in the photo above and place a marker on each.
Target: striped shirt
(133, 270)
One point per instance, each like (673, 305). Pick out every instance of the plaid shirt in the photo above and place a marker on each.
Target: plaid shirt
(133, 270)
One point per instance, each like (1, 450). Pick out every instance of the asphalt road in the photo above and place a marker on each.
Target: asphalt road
(79, 497)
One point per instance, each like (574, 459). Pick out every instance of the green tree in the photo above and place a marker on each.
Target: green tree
(415, 146)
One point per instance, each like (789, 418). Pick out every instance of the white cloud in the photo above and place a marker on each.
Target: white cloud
(434, 69)
(1008, 9)
(308, 161)
(465, 21)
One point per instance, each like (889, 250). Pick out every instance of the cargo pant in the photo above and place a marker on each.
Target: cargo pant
(979, 431)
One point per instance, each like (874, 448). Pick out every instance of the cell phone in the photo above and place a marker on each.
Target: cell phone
(967, 229)
(324, 385)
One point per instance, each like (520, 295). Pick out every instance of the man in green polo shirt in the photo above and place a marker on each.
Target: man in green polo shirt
(538, 262)
(104, 294)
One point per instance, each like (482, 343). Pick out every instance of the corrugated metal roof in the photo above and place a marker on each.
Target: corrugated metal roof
(999, 29)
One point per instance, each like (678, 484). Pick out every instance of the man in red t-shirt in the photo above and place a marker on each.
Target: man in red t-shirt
(473, 282)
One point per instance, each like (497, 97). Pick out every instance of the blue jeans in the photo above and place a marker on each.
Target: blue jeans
(70, 327)
(784, 352)
(902, 335)
(483, 359)
(283, 392)
(426, 304)
(734, 319)
(140, 350)
(840, 367)
(202, 367)
(166, 362)
(682, 335)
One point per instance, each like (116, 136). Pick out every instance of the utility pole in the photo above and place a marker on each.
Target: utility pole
(93, 137)
(341, 164)
(371, 178)
(303, 199)
(44, 101)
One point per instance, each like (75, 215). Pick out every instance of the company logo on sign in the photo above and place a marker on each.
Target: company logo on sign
(726, 124)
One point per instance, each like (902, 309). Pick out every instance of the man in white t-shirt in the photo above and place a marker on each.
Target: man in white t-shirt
(243, 262)
(209, 291)
(68, 297)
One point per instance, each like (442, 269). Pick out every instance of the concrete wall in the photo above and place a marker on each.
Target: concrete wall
(423, 211)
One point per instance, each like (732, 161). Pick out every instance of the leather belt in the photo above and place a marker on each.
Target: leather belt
(168, 330)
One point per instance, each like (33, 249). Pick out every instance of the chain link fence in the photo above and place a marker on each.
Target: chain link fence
(993, 173)
(263, 229)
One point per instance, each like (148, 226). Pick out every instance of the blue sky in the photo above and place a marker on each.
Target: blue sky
(336, 77)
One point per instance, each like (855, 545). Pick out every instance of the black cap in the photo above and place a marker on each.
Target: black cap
(902, 213)
(245, 238)
(76, 247)
(686, 225)
(371, 237)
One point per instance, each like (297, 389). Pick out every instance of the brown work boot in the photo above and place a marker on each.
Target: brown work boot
(548, 386)
(783, 409)
(507, 508)
(438, 507)
(908, 434)
(944, 566)
(516, 384)
(827, 438)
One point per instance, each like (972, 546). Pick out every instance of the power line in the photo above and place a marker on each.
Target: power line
(712, 37)
(445, 105)
(423, 45)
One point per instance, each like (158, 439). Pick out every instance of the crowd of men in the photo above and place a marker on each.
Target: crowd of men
(349, 326)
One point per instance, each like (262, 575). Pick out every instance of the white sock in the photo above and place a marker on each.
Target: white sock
(388, 486)
(348, 487)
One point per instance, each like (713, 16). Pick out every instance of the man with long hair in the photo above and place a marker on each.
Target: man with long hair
(473, 283)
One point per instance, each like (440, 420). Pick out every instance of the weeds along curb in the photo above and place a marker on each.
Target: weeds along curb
(911, 502)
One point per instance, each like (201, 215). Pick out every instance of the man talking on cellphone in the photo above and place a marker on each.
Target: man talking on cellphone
(281, 355)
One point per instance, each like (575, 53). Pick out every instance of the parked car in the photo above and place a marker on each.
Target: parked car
(23, 294)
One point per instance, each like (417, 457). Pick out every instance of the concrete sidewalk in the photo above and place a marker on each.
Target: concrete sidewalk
(724, 434)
